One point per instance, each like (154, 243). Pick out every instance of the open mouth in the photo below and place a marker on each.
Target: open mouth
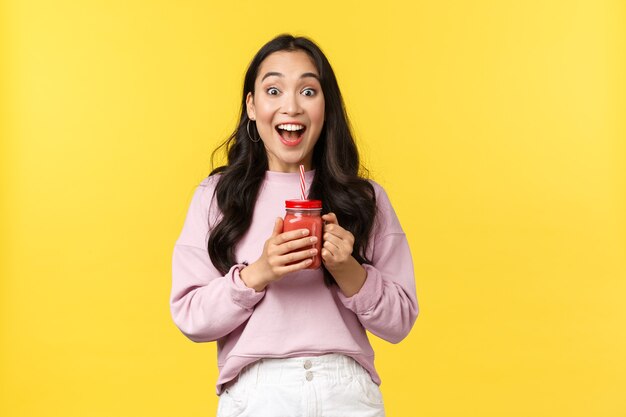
(290, 134)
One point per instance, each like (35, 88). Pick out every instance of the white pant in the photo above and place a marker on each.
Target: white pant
(330, 385)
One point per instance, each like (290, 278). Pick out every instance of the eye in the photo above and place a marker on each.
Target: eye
(310, 90)
(269, 91)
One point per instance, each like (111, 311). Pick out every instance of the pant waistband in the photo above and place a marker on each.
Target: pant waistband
(332, 368)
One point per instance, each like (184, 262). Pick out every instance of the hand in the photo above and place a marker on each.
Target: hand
(337, 257)
(338, 244)
(279, 257)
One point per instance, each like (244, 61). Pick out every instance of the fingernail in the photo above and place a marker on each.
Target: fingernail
(305, 232)
(314, 239)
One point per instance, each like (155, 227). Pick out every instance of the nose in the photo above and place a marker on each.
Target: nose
(291, 104)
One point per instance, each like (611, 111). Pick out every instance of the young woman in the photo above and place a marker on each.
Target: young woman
(292, 340)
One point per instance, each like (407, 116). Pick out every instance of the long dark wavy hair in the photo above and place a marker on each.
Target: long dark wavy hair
(340, 180)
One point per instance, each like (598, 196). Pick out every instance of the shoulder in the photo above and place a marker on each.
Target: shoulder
(202, 202)
(207, 186)
(377, 187)
(387, 221)
(382, 199)
(210, 182)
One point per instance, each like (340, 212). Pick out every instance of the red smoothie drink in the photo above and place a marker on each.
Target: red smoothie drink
(306, 214)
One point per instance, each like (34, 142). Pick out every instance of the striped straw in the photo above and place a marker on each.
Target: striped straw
(302, 185)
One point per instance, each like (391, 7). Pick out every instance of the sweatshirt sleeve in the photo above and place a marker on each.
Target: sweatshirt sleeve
(386, 305)
(206, 305)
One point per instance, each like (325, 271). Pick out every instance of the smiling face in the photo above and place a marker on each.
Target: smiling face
(288, 107)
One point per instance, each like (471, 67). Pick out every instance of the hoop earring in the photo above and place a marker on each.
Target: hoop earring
(248, 130)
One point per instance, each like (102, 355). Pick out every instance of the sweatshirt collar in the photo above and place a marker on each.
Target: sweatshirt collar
(276, 177)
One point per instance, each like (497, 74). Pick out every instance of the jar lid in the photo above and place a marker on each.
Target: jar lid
(303, 204)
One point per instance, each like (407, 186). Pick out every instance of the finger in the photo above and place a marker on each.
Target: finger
(293, 245)
(332, 240)
(278, 227)
(327, 256)
(334, 250)
(336, 230)
(330, 218)
(295, 267)
(290, 235)
(295, 256)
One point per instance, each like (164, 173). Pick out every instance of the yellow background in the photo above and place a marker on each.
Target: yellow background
(497, 128)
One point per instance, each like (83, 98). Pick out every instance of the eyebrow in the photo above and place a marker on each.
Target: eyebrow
(278, 74)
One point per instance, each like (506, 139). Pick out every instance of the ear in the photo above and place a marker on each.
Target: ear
(250, 106)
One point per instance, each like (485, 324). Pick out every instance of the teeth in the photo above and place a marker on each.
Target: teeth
(290, 127)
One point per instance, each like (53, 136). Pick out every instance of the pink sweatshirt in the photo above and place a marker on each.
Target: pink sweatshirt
(297, 315)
